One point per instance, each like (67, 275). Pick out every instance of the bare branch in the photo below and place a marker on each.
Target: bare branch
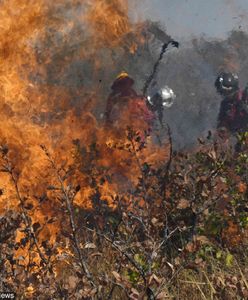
(29, 227)
(69, 201)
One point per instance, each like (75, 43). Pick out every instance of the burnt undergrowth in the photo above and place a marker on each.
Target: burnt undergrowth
(179, 233)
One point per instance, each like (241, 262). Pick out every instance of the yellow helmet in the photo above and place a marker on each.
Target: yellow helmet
(122, 75)
(122, 81)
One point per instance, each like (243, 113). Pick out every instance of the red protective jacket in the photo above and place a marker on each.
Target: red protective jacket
(125, 108)
(233, 113)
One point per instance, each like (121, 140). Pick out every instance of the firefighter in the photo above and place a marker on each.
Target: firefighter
(125, 107)
(233, 114)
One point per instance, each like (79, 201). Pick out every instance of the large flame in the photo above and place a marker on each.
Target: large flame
(39, 41)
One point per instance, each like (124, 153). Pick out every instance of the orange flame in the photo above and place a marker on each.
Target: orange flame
(35, 110)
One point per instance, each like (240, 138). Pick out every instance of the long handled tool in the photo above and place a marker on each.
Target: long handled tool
(165, 96)
(156, 65)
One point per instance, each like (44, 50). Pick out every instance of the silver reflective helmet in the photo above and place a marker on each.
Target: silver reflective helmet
(227, 83)
(163, 97)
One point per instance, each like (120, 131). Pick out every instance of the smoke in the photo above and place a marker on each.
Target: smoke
(94, 59)
(191, 73)
(60, 59)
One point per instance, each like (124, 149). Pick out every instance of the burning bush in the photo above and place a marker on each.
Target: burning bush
(187, 213)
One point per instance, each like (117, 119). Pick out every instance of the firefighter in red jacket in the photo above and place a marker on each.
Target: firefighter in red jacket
(233, 114)
(125, 108)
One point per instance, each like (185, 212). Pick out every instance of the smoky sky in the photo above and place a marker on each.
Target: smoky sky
(184, 18)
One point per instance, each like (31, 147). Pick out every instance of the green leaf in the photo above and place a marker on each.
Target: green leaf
(139, 259)
(219, 254)
(229, 260)
(133, 276)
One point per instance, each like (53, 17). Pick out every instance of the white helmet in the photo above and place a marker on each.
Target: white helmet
(164, 97)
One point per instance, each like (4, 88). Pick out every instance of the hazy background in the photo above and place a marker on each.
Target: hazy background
(213, 38)
(184, 18)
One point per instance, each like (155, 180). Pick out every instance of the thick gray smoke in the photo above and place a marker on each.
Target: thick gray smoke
(189, 71)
